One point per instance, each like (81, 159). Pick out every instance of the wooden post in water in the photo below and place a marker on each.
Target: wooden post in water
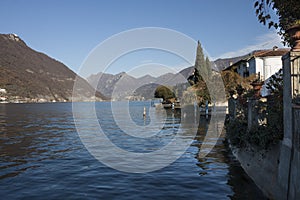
(206, 109)
(144, 113)
(195, 108)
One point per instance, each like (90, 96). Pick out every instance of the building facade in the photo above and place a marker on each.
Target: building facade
(262, 63)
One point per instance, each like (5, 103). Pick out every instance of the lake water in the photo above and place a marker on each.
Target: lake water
(42, 157)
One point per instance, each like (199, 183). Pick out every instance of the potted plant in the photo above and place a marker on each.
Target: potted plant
(294, 35)
(257, 85)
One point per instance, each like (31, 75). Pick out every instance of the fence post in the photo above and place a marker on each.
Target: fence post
(294, 176)
(232, 108)
(252, 114)
(286, 147)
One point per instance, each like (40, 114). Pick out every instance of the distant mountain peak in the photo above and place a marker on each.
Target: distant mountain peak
(147, 76)
(13, 37)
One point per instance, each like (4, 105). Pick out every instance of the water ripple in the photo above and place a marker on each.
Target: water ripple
(41, 156)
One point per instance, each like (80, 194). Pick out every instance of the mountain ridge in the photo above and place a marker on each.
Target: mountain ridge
(123, 86)
(31, 76)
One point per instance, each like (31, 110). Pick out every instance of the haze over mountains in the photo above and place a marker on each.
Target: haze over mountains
(123, 86)
(29, 76)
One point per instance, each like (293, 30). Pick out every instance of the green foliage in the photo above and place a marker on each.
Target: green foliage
(264, 135)
(287, 11)
(208, 66)
(275, 84)
(202, 93)
(202, 72)
(179, 89)
(202, 64)
(232, 81)
(164, 92)
(275, 102)
(236, 132)
(194, 78)
(260, 137)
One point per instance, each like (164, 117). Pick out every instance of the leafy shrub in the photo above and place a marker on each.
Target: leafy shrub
(264, 135)
(236, 132)
(164, 92)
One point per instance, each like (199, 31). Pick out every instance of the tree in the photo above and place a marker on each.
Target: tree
(164, 92)
(203, 93)
(200, 63)
(201, 76)
(208, 66)
(232, 81)
(287, 11)
(193, 79)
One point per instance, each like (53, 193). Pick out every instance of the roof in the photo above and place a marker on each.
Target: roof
(272, 52)
(234, 65)
(260, 53)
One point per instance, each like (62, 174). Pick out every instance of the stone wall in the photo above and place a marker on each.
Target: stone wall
(294, 175)
(262, 167)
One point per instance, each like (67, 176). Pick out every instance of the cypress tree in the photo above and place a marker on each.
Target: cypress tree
(200, 63)
(208, 66)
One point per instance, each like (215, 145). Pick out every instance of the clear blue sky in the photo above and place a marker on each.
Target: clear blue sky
(68, 30)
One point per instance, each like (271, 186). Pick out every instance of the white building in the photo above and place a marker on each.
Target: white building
(266, 63)
(241, 67)
(263, 63)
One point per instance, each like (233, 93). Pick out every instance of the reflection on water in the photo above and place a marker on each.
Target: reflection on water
(220, 160)
(42, 156)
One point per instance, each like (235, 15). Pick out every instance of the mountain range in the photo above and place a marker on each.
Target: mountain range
(123, 86)
(30, 76)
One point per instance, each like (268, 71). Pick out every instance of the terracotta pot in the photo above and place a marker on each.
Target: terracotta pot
(294, 33)
(257, 87)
